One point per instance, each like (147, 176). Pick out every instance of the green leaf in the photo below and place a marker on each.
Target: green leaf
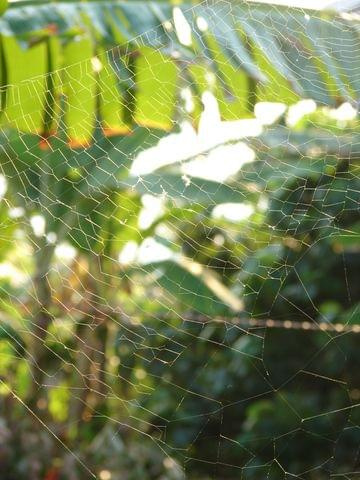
(156, 78)
(18, 156)
(220, 21)
(105, 226)
(3, 6)
(189, 284)
(230, 85)
(100, 169)
(112, 98)
(13, 337)
(188, 189)
(253, 51)
(25, 96)
(80, 90)
(114, 158)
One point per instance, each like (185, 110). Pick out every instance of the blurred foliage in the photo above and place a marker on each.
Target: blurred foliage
(241, 52)
(153, 370)
(133, 349)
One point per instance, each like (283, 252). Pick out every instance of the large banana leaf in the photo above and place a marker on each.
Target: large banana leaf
(124, 61)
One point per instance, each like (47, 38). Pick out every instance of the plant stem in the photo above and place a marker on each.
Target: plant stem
(41, 318)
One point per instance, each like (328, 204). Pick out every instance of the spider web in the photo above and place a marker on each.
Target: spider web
(179, 278)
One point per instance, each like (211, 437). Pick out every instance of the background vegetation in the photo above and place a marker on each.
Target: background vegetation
(234, 353)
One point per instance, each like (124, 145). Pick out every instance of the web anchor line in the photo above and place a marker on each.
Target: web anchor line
(251, 323)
